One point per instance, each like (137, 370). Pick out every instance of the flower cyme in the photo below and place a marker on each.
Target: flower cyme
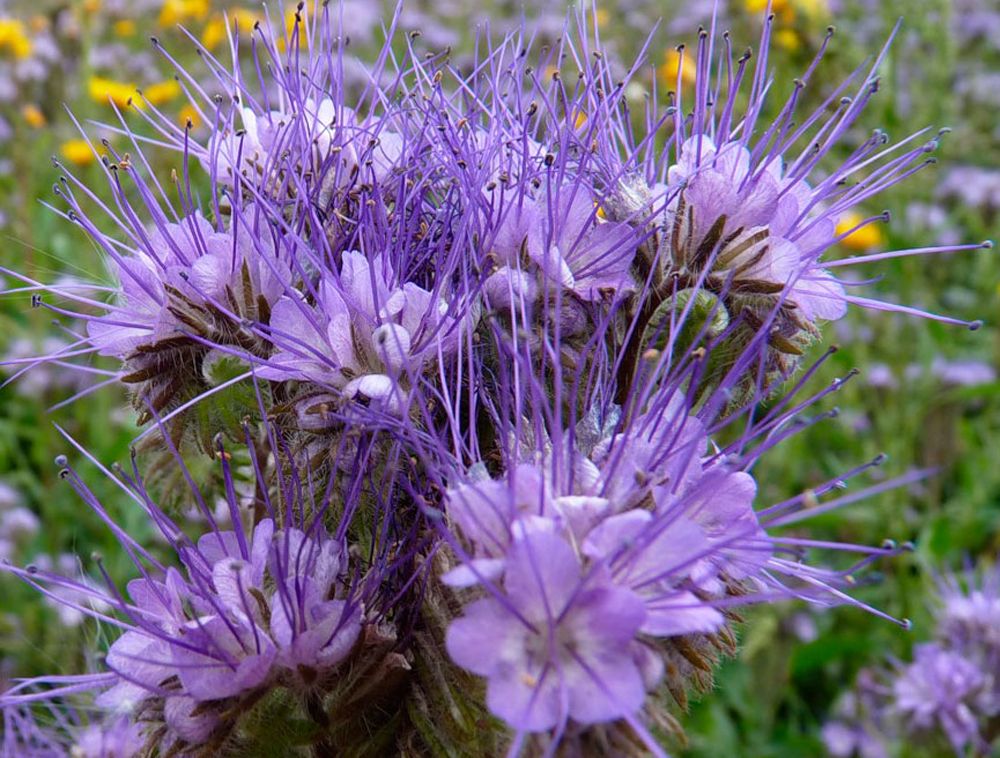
(935, 690)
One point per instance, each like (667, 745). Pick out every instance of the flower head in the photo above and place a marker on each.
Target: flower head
(934, 692)
(467, 318)
(557, 645)
(250, 611)
(949, 691)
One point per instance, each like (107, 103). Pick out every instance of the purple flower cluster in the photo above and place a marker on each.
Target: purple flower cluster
(482, 358)
(597, 566)
(63, 733)
(949, 691)
(251, 611)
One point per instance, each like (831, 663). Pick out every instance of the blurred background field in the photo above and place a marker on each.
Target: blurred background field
(927, 394)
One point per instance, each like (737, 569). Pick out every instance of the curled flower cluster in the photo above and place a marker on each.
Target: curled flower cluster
(482, 357)
(257, 620)
(600, 568)
(949, 693)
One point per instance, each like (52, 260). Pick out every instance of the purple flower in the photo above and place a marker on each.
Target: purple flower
(963, 373)
(241, 632)
(312, 630)
(950, 687)
(24, 735)
(188, 276)
(72, 601)
(186, 293)
(340, 145)
(970, 613)
(117, 738)
(752, 226)
(637, 546)
(466, 318)
(844, 740)
(968, 622)
(960, 373)
(972, 186)
(569, 246)
(40, 376)
(363, 336)
(935, 690)
(250, 611)
(18, 523)
(557, 645)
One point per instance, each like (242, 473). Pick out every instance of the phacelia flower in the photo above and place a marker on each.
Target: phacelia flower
(949, 692)
(496, 354)
(556, 646)
(933, 692)
(249, 611)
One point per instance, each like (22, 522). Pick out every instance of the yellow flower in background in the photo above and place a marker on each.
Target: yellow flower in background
(14, 38)
(174, 12)
(865, 238)
(39, 24)
(812, 8)
(123, 94)
(787, 39)
(214, 32)
(91, 6)
(189, 115)
(759, 6)
(672, 63)
(161, 92)
(788, 34)
(101, 90)
(77, 152)
(124, 28)
(308, 8)
(33, 116)
(788, 10)
(602, 16)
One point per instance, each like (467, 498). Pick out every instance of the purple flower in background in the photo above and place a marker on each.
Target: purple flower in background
(24, 735)
(854, 732)
(881, 375)
(117, 738)
(969, 612)
(968, 622)
(972, 186)
(950, 688)
(73, 601)
(17, 521)
(963, 373)
(934, 691)
(955, 373)
(37, 377)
